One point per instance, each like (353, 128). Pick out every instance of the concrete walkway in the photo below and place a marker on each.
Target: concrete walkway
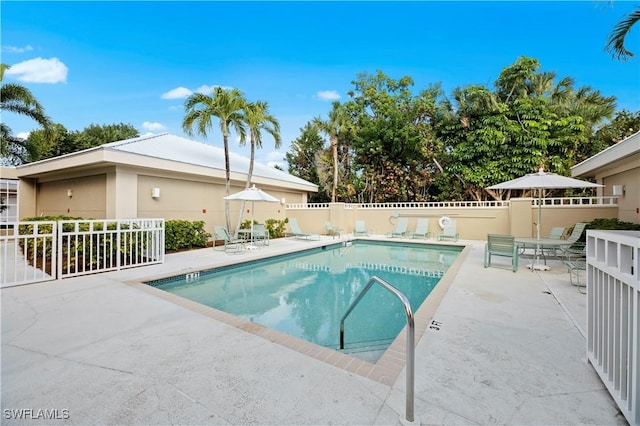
(510, 350)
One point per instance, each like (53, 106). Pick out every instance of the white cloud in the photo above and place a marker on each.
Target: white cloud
(153, 127)
(23, 135)
(39, 70)
(328, 95)
(205, 90)
(16, 49)
(177, 93)
(274, 156)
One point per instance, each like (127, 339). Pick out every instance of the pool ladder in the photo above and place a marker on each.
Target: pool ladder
(410, 355)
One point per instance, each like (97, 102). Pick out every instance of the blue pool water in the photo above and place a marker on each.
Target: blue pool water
(307, 293)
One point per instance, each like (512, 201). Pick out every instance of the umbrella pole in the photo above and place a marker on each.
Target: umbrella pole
(536, 259)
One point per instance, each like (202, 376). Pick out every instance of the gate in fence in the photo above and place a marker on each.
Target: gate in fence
(44, 250)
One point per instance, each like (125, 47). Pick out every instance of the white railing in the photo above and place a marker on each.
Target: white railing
(45, 250)
(27, 252)
(613, 304)
(405, 205)
(559, 202)
(578, 201)
(90, 246)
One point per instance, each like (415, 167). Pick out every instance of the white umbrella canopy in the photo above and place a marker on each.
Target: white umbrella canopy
(543, 180)
(252, 194)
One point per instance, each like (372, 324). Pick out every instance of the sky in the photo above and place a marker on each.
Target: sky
(136, 62)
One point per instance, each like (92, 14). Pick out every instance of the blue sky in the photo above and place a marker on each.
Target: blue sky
(135, 62)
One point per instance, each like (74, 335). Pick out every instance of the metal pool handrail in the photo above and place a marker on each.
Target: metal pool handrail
(410, 355)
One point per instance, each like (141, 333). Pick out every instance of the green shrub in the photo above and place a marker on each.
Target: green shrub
(183, 234)
(608, 225)
(275, 227)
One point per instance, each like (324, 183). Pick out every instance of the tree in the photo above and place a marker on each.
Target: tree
(59, 141)
(258, 118)
(527, 122)
(227, 106)
(337, 124)
(304, 157)
(393, 141)
(615, 44)
(96, 135)
(623, 125)
(17, 99)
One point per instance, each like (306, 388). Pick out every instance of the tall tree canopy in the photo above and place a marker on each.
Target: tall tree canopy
(408, 145)
(392, 142)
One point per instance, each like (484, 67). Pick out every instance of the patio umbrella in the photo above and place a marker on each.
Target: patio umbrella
(541, 181)
(252, 194)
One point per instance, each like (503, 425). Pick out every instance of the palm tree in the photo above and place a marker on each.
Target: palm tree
(258, 118)
(18, 99)
(615, 44)
(337, 123)
(227, 106)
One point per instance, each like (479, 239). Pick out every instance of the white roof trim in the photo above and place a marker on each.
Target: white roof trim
(619, 151)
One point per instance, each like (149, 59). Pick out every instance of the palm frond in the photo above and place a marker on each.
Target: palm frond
(615, 44)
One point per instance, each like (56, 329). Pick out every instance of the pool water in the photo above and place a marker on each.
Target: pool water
(306, 294)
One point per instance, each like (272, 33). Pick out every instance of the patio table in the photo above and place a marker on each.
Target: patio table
(539, 245)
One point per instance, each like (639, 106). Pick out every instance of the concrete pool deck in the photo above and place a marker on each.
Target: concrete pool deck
(510, 349)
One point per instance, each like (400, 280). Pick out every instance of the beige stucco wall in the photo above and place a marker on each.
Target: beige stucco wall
(204, 200)
(88, 198)
(629, 203)
(473, 223)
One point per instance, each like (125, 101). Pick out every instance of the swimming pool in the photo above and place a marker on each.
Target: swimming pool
(305, 294)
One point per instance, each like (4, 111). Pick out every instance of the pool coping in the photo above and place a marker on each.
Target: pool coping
(388, 367)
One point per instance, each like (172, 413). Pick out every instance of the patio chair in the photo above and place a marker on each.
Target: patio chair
(422, 229)
(333, 230)
(501, 245)
(401, 228)
(574, 267)
(260, 234)
(449, 231)
(297, 233)
(231, 244)
(361, 229)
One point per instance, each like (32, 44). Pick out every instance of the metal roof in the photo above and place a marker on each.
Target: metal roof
(170, 147)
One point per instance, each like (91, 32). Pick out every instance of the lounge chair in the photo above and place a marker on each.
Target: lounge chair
(231, 245)
(297, 233)
(449, 231)
(573, 246)
(333, 230)
(501, 245)
(361, 229)
(401, 228)
(422, 229)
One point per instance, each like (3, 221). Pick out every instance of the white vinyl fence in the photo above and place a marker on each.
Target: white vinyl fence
(613, 317)
(39, 251)
(27, 252)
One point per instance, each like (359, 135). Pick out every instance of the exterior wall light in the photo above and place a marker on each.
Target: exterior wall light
(69, 193)
(155, 192)
(618, 190)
